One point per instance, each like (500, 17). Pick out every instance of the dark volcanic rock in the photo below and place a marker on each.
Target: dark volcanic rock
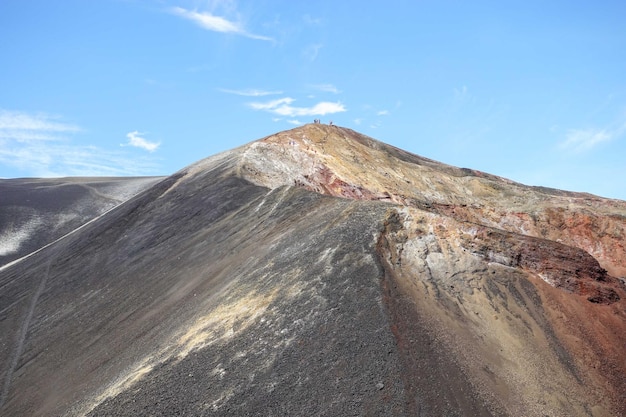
(560, 265)
(320, 272)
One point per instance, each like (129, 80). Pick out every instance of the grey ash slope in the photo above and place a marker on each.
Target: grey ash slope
(230, 297)
(36, 211)
(244, 285)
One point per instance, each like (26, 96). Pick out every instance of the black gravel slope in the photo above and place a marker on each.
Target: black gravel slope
(37, 211)
(208, 296)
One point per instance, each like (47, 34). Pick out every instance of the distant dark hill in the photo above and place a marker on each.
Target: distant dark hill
(36, 211)
(320, 272)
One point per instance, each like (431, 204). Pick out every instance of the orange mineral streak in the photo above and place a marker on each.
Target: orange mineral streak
(595, 336)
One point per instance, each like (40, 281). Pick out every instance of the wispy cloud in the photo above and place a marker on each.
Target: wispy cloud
(581, 140)
(40, 145)
(283, 107)
(310, 52)
(64, 159)
(327, 88)
(250, 92)
(295, 122)
(460, 93)
(312, 21)
(215, 23)
(60, 160)
(25, 127)
(134, 139)
(272, 105)
(382, 113)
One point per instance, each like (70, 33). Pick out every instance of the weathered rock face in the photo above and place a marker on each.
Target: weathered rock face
(320, 272)
(488, 299)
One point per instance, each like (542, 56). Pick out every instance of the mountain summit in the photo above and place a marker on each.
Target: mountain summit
(321, 272)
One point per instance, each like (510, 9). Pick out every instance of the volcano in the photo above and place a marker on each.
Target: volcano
(320, 272)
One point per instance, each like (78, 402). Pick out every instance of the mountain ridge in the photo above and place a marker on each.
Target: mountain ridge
(336, 173)
(241, 285)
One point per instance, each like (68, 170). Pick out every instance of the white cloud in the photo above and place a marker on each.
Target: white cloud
(41, 121)
(294, 122)
(283, 107)
(53, 159)
(327, 88)
(383, 113)
(137, 141)
(214, 23)
(270, 105)
(25, 127)
(580, 140)
(29, 135)
(312, 21)
(358, 121)
(250, 92)
(40, 145)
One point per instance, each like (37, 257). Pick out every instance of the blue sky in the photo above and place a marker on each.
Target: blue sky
(534, 91)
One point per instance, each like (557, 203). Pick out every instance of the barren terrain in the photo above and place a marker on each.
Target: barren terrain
(321, 272)
(34, 211)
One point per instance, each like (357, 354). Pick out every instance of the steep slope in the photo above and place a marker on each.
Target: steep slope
(35, 211)
(210, 295)
(320, 272)
(456, 227)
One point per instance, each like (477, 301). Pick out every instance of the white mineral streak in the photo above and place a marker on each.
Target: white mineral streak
(13, 238)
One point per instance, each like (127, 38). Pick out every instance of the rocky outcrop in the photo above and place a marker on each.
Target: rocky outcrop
(561, 266)
(526, 346)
